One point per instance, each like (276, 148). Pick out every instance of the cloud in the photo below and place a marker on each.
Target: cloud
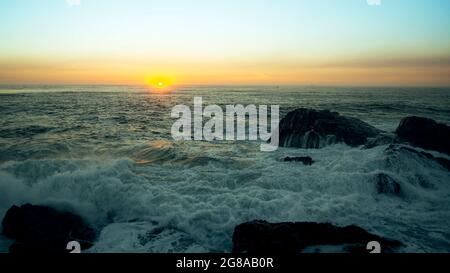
(73, 2)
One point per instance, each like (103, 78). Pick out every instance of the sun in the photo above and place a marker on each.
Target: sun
(160, 84)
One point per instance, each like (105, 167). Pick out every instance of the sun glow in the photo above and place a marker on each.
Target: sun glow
(161, 84)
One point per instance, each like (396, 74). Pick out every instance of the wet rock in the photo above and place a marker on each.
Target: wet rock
(258, 237)
(387, 185)
(425, 133)
(308, 128)
(44, 229)
(393, 152)
(306, 160)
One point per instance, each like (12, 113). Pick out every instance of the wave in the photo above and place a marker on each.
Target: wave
(24, 132)
(160, 197)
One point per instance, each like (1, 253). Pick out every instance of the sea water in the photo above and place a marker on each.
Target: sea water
(106, 153)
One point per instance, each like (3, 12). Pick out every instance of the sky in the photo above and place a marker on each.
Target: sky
(313, 42)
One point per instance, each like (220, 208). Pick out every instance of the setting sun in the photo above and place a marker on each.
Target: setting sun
(161, 84)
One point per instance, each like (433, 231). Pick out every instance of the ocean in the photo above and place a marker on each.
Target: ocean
(106, 153)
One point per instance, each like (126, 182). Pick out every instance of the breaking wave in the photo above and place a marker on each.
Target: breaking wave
(172, 203)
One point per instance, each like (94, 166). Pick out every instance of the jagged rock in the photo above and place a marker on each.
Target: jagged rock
(308, 128)
(306, 160)
(44, 229)
(387, 185)
(425, 133)
(264, 237)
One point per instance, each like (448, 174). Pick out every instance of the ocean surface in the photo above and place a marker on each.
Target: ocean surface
(106, 153)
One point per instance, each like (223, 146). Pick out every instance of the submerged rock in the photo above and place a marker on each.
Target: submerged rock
(425, 133)
(308, 128)
(387, 185)
(44, 229)
(306, 160)
(264, 237)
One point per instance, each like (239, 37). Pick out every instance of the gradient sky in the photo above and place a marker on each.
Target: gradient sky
(329, 42)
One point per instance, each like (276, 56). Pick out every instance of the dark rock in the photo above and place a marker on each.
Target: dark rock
(308, 128)
(425, 133)
(387, 185)
(393, 151)
(263, 237)
(306, 160)
(44, 229)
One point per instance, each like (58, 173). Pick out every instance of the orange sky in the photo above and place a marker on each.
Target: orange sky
(234, 72)
(225, 42)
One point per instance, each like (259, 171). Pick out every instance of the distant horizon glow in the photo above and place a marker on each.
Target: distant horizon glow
(175, 42)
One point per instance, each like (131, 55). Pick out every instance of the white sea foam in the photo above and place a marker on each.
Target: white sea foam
(196, 206)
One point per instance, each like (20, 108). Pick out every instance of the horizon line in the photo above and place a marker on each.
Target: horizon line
(234, 85)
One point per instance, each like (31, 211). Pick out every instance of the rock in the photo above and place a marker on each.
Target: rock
(44, 229)
(394, 151)
(308, 128)
(306, 160)
(387, 185)
(259, 237)
(425, 133)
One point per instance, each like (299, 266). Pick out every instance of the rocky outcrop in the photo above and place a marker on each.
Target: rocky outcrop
(306, 160)
(44, 229)
(263, 237)
(308, 128)
(425, 133)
